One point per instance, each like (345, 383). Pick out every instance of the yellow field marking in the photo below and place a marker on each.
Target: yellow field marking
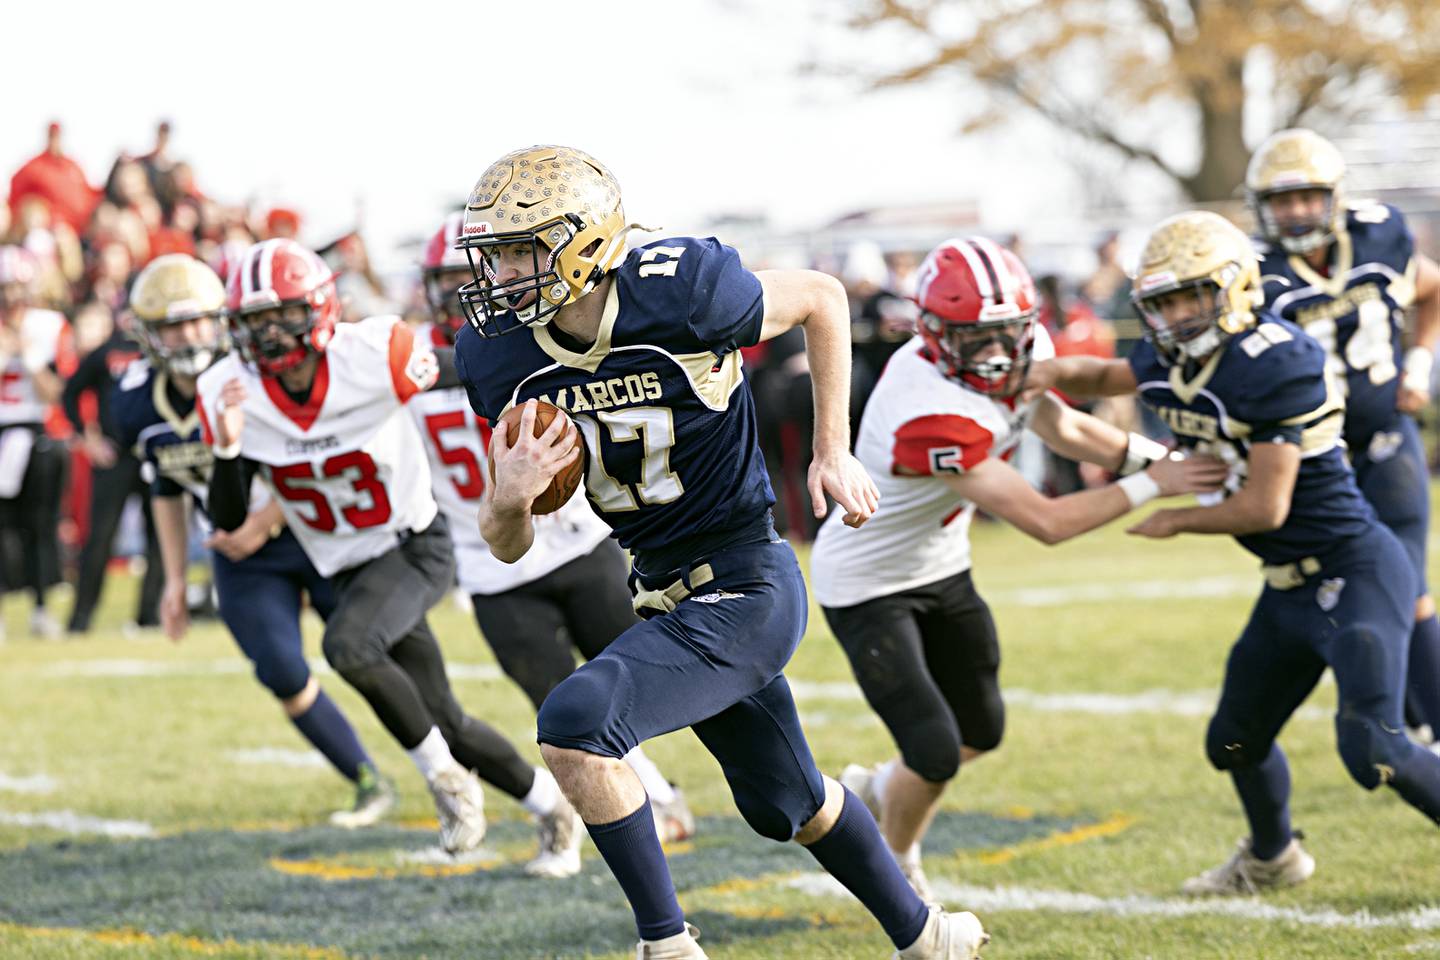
(684, 846)
(124, 937)
(339, 872)
(1066, 838)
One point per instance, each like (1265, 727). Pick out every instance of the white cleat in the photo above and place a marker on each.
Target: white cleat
(1244, 873)
(460, 804)
(561, 832)
(861, 782)
(947, 936)
(673, 821)
(43, 626)
(682, 946)
(375, 796)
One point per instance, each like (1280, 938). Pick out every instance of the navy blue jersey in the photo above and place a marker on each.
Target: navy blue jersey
(672, 463)
(1268, 385)
(160, 424)
(1356, 309)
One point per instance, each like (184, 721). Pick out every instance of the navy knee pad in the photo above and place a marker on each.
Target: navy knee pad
(580, 712)
(1371, 751)
(1227, 748)
(774, 809)
(284, 675)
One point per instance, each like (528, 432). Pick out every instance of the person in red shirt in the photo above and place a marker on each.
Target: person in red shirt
(59, 180)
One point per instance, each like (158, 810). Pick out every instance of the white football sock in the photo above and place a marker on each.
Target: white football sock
(544, 794)
(432, 754)
(650, 776)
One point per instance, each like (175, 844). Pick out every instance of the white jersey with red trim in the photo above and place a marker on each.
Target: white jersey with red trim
(919, 420)
(456, 441)
(41, 334)
(347, 466)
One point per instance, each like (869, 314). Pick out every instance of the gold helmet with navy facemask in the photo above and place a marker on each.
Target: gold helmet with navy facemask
(1296, 159)
(1203, 252)
(561, 204)
(173, 289)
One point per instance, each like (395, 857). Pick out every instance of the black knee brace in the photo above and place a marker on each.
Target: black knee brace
(930, 746)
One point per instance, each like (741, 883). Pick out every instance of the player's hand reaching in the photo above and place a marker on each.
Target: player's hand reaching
(525, 464)
(1160, 525)
(174, 611)
(1177, 474)
(844, 479)
(1411, 400)
(230, 413)
(1039, 379)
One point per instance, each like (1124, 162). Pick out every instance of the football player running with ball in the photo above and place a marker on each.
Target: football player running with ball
(316, 408)
(1238, 382)
(641, 349)
(1347, 273)
(936, 436)
(569, 589)
(261, 573)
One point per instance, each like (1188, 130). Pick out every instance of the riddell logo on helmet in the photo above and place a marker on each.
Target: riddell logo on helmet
(1153, 280)
(1000, 311)
(481, 227)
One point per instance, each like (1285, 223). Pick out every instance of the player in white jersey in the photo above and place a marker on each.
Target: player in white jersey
(570, 589)
(31, 468)
(318, 410)
(936, 434)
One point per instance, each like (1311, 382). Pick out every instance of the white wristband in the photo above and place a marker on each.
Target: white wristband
(1418, 363)
(1139, 488)
(1140, 452)
(228, 452)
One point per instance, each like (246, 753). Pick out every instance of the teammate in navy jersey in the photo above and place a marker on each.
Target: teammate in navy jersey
(640, 349)
(1253, 389)
(260, 570)
(1347, 274)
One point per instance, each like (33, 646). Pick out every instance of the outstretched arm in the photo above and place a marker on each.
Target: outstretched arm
(999, 489)
(1079, 376)
(1261, 505)
(1079, 436)
(816, 302)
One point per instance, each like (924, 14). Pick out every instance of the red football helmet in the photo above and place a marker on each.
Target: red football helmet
(444, 270)
(282, 305)
(975, 296)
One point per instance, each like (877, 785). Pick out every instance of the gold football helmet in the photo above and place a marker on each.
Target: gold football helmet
(1203, 252)
(561, 203)
(173, 289)
(1296, 159)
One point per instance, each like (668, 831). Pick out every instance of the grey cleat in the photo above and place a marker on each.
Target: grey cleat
(1244, 873)
(375, 796)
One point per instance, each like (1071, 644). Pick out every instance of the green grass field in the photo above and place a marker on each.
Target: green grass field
(1070, 841)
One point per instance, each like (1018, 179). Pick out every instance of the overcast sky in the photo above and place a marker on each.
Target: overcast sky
(698, 106)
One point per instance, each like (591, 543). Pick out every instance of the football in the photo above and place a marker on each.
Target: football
(567, 481)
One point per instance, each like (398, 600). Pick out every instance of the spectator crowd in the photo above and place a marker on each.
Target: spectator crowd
(82, 245)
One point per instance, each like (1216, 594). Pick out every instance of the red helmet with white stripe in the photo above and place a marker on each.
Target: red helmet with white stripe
(977, 314)
(282, 305)
(444, 270)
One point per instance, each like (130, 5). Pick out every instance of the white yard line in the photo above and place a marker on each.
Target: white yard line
(278, 757)
(68, 821)
(1183, 703)
(1003, 899)
(38, 783)
(123, 669)
(1195, 588)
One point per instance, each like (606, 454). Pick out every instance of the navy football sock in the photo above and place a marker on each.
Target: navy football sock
(631, 849)
(1265, 793)
(854, 853)
(326, 727)
(1424, 675)
(1417, 780)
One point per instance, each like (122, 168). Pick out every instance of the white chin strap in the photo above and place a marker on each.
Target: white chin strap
(1305, 243)
(194, 364)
